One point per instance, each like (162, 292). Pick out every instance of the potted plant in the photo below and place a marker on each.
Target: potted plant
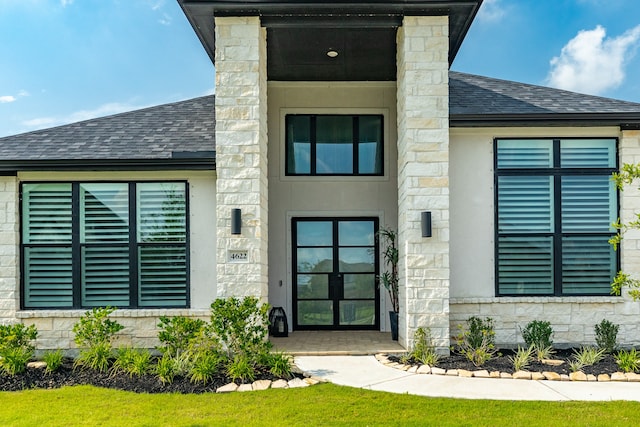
(389, 277)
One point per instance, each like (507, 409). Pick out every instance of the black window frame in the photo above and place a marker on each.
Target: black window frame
(77, 246)
(313, 138)
(556, 172)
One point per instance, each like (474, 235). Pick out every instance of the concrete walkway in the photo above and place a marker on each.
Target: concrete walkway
(366, 372)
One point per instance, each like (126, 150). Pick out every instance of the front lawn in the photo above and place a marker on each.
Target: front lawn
(324, 404)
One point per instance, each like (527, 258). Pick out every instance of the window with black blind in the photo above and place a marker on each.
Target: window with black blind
(556, 204)
(104, 244)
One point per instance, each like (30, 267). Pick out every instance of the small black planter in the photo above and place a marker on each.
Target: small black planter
(393, 321)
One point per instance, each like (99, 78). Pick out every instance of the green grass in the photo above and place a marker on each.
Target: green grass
(324, 404)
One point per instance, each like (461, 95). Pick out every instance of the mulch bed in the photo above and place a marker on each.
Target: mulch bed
(502, 363)
(67, 375)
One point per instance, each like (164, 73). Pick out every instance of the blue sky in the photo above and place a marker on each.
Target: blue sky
(63, 61)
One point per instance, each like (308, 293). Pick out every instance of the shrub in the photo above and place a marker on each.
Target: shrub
(279, 364)
(537, 333)
(134, 362)
(588, 356)
(166, 369)
(607, 336)
(477, 342)
(423, 348)
(522, 358)
(16, 348)
(628, 360)
(205, 366)
(543, 352)
(241, 368)
(93, 334)
(177, 333)
(241, 326)
(53, 359)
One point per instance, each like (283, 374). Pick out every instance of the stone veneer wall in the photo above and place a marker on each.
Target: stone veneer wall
(423, 180)
(241, 154)
(9, 248)
(572, 318)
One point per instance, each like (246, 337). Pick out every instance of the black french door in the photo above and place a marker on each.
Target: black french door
(335, 266)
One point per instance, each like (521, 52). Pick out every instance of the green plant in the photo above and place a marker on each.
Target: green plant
(390, 277)
(522, 358)
(204, 366)
(628, 360)
(537, 333)
(240, 326)
(93, 334)
(14, 360)
(241, 368)
(279, 364)
(53, 359)
(423, 349)
(607, 336)
(166, 369)
(16, 348)
(543, 353)
(576, 365)
(177, 333)
(588, 356)
(477, 341)
(134, 362)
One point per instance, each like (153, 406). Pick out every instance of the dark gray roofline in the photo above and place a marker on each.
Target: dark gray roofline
(11, 167)
(626, 121)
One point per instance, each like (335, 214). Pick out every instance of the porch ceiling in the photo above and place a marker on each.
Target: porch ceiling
(301, 33)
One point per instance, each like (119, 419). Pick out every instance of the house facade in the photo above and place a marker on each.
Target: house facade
(331, 120)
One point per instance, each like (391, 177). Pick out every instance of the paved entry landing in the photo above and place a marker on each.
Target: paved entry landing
(335, 343)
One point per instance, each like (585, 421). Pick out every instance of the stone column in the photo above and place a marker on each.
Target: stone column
(9, 249)
(629, 152)
(423, 176)
(241, 155)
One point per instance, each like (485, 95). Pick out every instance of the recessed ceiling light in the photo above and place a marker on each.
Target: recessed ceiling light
(332, 53)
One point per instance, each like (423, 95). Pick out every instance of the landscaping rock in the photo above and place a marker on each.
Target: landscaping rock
(464, 373)
(280, 384)
(227, 388)
(261, 384)
(494, 374)
(564, 377)
(591, 377)
(312, 381)
(604, 378)
(438, 371)
(37, 365)
(552, 362)
(245, 387)
(618, 376)
(632, 377)
(537, 376)
(424, 369)
(481, 373)
(452, 373)
(578, 376)
(506, 375)
(297, 383)
(522, 375)
(551, 376)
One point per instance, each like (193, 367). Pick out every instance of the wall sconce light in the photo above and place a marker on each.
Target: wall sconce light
(425, 222)
(236, 221)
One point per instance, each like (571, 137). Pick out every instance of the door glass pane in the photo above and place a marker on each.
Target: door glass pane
(357, 313)
(314, 233)
(357, 260)
(356, 233)
(359, 286)
(315, 313)
(334, 145)
(298, 144)
(315, 260)
(313, 286)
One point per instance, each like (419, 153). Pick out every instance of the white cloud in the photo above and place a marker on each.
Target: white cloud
(7, 98)
(165, 20)
(491, 11)
(66, 3)
(591, 62)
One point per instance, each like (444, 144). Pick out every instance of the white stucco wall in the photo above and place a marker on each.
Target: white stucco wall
(54, 326)
(472, 247)
(325, 196)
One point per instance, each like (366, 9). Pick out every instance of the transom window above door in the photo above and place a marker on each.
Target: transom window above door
(331, 145)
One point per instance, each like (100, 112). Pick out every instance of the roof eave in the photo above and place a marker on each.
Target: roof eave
(11, 167)
(625, 121)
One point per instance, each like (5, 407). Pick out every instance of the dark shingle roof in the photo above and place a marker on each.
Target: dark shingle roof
(482, 100)
(166, 133)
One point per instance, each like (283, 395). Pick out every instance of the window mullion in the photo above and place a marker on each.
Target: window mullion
(356, 145)
(76, 246)
(133, 247)
(313, 140)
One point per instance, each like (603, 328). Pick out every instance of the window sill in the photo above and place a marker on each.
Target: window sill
(137, 312)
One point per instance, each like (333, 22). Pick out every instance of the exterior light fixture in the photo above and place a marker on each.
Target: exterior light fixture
(236, 221)
(425, 222)
(332, 53)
